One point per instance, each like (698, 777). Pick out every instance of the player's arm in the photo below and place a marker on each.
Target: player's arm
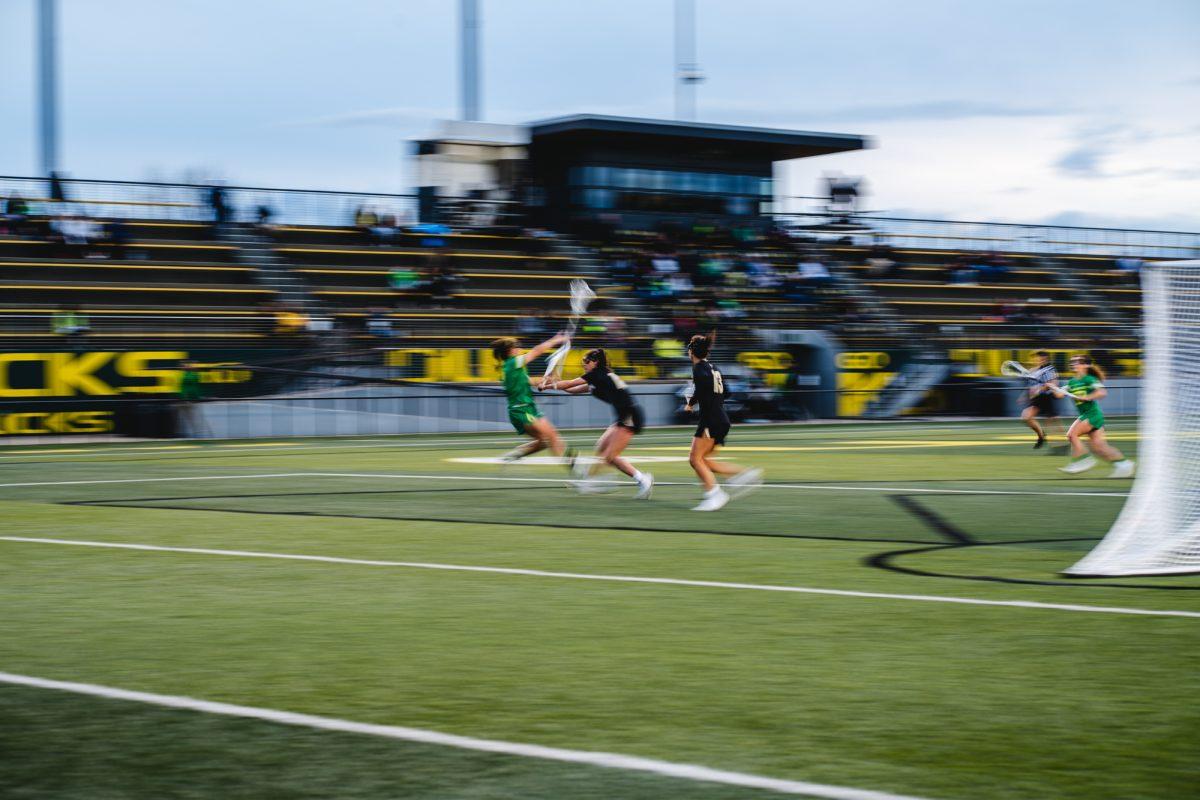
(540, 349)
(1099, 393)
(568, 386)
(689, 394)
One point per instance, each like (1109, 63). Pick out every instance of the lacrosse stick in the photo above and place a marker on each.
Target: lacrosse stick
(1014, 369)
(581, 296)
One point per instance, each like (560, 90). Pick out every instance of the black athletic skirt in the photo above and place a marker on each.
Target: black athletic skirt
(716, 430)
(1046, 405)
(632, 418)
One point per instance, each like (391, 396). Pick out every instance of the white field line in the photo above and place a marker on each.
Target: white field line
(511, 479)
(747, 433)
(160, 480)
(691, 772)
(585, 576)
(804, 486)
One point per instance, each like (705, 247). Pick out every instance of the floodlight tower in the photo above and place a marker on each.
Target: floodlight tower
(47, 86)
(469, 68)
(687, 71)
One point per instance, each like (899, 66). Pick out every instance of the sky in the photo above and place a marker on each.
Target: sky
(1050, 111)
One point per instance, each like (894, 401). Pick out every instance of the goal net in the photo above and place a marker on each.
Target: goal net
(1158, 531)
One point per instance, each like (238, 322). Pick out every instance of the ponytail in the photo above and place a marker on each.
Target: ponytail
(1092, 368)
(502, 347)
(600, 357)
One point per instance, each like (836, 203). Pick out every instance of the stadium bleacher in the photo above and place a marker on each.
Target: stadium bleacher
(176, 280)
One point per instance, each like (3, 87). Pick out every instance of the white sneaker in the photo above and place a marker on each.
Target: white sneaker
(645, 486)
(1082, 465)
(744, 482)
(1122, 469)
(713, 502)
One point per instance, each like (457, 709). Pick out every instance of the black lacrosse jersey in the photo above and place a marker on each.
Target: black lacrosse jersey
(709, 392)
(609, 387)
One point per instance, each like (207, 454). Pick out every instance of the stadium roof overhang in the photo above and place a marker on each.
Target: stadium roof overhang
(768, 144)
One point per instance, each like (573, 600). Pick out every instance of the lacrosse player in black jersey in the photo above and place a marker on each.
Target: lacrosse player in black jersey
(708, 392)
(606, 385)
(1041, 399)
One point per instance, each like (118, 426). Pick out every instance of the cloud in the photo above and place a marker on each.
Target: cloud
(1082, 162)
(1098, 146)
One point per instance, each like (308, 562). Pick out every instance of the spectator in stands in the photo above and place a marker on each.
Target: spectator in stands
(665, 264)
(882, 261)
(711, 270)
(364, 219)
(761, 274)
(405, 279)
(74, 235)
(58, 192)
(16, 216)
(813, 273)
(218, 204)
(444, 282)
(190, 420)
(992, 267)
(384, 230)
(290, 321)
(379, 324)
(959, 273)
(679, 285)
(263, 215)
(1127, 269)
(117, 234)
(72, 324)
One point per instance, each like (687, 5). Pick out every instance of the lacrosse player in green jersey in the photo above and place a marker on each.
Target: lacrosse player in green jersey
(523, 412)
(1086, 388)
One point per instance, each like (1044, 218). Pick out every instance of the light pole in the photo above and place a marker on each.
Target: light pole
(469, 67)
(47, 86)
(687, 71)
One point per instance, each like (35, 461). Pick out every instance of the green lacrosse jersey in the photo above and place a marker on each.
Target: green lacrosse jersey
(1078, 387)
(516, 383)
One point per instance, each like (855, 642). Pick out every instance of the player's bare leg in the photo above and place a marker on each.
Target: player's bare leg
(698, 458)
(1081, 461)
(1029, 416)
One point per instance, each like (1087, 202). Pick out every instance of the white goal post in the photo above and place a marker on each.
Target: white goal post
(1158, 530)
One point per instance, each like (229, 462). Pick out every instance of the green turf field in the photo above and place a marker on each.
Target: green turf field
(806, 633)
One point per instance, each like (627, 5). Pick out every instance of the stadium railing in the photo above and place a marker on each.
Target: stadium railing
(973, 236)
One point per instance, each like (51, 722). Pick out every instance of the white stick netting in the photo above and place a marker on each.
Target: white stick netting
(1158, 531)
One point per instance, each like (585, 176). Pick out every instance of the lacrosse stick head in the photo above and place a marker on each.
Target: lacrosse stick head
(581, 297)
(1013, 369)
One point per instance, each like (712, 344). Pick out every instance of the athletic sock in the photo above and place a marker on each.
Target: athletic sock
(639, 476)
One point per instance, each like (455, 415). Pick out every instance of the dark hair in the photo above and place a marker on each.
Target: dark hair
(503, 346)
(1092, 369)
(599, 356)
(1041, 353)
(699, 345)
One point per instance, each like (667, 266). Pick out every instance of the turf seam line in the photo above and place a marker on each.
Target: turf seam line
(1030, 604)
(692, 772)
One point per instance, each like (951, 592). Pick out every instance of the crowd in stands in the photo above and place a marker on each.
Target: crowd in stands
(988, 267)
